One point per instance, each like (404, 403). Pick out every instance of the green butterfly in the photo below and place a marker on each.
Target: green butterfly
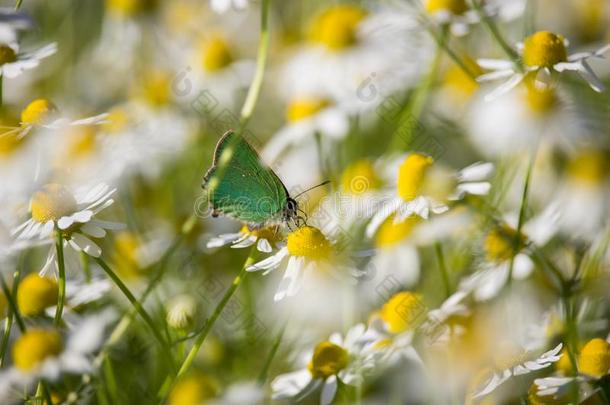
(246, 189)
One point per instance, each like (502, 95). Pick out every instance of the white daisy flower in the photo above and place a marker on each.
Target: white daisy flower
(11, 22)
(336, 359)
(222, 6)
(56, 208)
(306, 117)
(522, 367)
(423, 188)
(356, 51)
(42, 113)
(307, 250)
(500, 250)
(543, 54)
(13, 62)
(265, 239)
(46, 354)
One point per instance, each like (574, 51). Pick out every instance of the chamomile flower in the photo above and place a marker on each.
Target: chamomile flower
(306, 117)
(503, 247)
(307, 250)
(222, 6)
(423, 188)
(42, 113)
(543, 54)
(337, 359)
(13, 62)
(517, 366)
(55, 208)
(352, 50)
(47, 354)
(265, 239)
(134, 254)
(196, 388)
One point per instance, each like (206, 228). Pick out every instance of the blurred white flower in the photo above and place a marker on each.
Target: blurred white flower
(265, 239)
(222, 6)
(13, 62)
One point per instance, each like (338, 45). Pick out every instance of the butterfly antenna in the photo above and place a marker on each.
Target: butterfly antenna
(311, 188)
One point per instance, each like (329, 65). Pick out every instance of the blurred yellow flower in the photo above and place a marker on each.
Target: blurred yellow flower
(456, 7)
(502, 243)
(327, 360)
(594, 358)
(193, 390)
(544, 49)
(336, 27)
(81, 143)
(52, 202)
(391, 233)
(34, 347)
(216, 54)
(37, 112)
(411, 175)
(126, 258)
(301, 108)
(588, 167)
(35, 294)
(359, 178)
(155, 88)
(403, 311)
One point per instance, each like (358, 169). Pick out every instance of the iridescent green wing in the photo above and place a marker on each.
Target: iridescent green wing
(245, 188)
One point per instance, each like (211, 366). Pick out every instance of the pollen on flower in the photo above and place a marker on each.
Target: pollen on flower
(588, 167)
(594, 358)
(35, 294)
(544, 49)
(34, 347)
(302, 108)
(403, 311)
(359, 178)
(37, 112)
(216, 54)
(327, 360)
(501, 244)
(193, 389)
(390, 233)
(411, 175)
(337, 27)
(7, 54)
(310, 243)
(456, 7)
(52, 202)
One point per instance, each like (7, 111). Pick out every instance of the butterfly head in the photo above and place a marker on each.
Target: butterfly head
(291, 213)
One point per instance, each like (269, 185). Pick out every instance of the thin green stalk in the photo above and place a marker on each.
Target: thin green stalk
(137, 306)
(442, 43)
(8, 325)
(12, 304)
(261, 62)
(188, 361)
(262, 378)
(497, 36)
(518, 237)
(85, 264)
(443, 268)
(61, 282)
(409, 116)
(1, 90)
(18, 4)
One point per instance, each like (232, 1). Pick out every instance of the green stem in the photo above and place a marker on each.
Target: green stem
(12, 304)
(262, 378)
(409, 116)
(137, 306)
(188, 361)
(18, 4)
(497, 36)
(441, 41)
(261, 61)
(443, 268)
(8, 323)
(84, 259)
(61, 284)
(518, 237)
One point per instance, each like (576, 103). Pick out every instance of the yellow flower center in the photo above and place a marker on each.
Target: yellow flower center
(594, 358)
(270, 233)
(337, 27)
(37, 112)
(52, 202)
(328, 359)
(126, 258)
(456, 7)
(544, 49)
(310, 243)
(540, 100)
(156, 88)
(502, 244)
(126, 8)
(81, 142)
(403, 311)
(389, 233)
(359, 178)
(118, 119)
(564, 365)
(589, 167)
(460, 81)
(411, 175)
(7, 54)
(34, 347)
(193, 390)
(35, 294)
(9, 144)
(216, 54)
(304, 108)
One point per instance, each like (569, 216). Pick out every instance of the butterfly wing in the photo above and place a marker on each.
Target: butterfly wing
(245, 189)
